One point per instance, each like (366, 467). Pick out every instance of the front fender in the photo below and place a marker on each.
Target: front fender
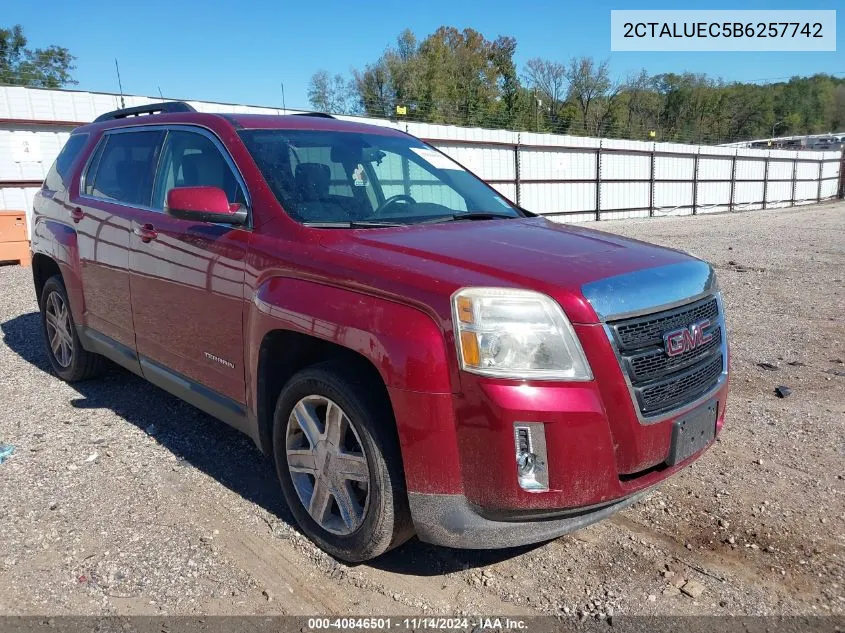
(404, 344)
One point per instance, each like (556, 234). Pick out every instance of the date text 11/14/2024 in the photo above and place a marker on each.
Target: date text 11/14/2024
(416, 624)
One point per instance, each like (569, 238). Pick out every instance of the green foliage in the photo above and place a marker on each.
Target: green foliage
(327, 93)
(451, 76)
(462, 78)
(40, 68)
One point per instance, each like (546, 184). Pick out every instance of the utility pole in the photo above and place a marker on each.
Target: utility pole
(284, 109)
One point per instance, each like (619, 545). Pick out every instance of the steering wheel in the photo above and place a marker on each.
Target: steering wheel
(391, 201)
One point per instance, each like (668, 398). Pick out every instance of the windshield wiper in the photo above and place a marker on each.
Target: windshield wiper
(368, 224)
(470, 215)
(355, 224)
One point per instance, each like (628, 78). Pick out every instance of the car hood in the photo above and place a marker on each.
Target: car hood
(535, 253)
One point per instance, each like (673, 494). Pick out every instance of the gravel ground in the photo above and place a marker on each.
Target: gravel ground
(121, 499)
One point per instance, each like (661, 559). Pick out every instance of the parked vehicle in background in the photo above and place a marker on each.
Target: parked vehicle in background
(830, 142)
(416, 353)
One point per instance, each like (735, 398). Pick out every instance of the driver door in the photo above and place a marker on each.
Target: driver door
(187, 282)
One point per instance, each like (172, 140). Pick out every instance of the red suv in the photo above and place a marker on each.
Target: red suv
(415, 352)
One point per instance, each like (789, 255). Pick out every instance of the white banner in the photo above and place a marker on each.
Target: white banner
(764, 30)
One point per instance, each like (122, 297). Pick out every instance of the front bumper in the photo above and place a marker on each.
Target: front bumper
(460, 467)
(451, 521)
(602, 448)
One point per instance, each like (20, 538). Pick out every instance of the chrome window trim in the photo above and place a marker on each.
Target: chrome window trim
(723, 377)
(185, 127)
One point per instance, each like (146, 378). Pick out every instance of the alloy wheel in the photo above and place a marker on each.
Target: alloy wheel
(327, 464)
(59, 329)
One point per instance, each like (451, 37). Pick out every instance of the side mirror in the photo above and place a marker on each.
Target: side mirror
(204, 204)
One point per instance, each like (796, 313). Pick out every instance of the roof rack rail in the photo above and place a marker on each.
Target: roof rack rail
(153, 108)
(319, 115)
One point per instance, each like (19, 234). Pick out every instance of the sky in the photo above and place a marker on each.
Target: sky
(243, 52)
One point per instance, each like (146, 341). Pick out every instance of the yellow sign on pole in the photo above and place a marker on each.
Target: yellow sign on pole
(652, 134)
(401, 110)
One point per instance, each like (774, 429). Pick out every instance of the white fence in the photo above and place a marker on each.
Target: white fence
(568, 178)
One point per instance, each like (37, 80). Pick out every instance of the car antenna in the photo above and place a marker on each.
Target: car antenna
(119, 83)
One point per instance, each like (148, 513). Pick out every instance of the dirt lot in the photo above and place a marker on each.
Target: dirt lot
(122, 500)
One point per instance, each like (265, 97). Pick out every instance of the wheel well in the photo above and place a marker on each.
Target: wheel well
(283, 353)
(42, 269)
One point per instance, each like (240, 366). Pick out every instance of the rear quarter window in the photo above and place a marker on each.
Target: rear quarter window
(57, 177)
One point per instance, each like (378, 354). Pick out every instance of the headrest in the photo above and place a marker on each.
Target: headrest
(206, 168)
(312, 180)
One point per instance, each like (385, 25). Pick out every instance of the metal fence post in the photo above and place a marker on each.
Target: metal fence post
(651, 186)
(518, 194)
(733, 182)
(695, 180)
(794, 180)
(841, 189)
(821, 172)
(598, 182)
(766, 182)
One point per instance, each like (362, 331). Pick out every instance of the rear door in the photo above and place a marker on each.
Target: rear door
(187, 281)
(116, 184)
(52, 211)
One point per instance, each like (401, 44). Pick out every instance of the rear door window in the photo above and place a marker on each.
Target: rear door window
(123, 168)
(57, 177)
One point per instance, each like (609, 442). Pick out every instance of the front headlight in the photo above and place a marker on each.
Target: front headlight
(510, 333)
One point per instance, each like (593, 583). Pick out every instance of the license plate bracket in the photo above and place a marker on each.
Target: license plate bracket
(693, 432)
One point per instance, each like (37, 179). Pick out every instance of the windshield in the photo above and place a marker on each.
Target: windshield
(346, 178)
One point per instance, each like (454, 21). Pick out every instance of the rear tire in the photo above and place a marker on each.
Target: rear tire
(346, 487)
(67, 357)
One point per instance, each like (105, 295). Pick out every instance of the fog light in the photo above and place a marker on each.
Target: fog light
(531, 459)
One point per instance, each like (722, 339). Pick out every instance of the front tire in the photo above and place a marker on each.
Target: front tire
(338, 462)
(67, 357)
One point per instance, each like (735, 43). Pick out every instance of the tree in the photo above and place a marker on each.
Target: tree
(592, 90)
(501, 54)
(461, 77)
(549, 81)
(639, 106)
(451, 76)
(404, 68)
(40, 68)
(374, 89)
(837, 109)
(328, 94)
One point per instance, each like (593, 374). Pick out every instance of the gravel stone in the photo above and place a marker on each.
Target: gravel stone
(693, 589)
(123, 534)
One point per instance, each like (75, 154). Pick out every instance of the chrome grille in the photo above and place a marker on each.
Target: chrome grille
(677, 390)
(655, 363)
(649, 330)
(659, 382)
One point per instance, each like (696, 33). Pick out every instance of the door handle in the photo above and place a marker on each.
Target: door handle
(76, 214)
(147, 232)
